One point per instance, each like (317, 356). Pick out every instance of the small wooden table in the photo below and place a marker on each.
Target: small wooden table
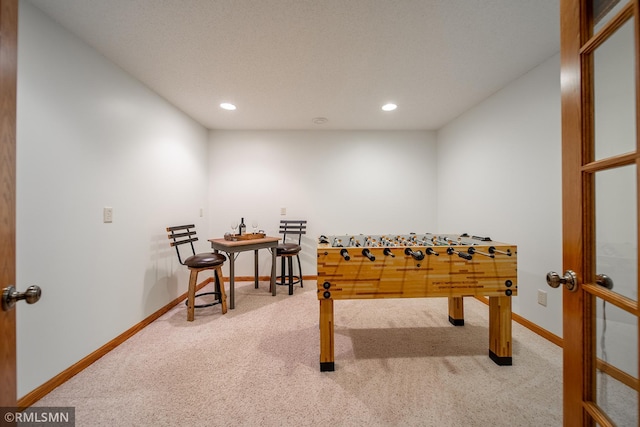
(231, 248)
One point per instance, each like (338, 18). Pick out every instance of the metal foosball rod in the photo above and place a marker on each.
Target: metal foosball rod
(473, 250)
(345, 254)
(388, 252)
(493, 250)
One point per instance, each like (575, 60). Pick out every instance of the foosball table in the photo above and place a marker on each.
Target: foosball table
(418, 266)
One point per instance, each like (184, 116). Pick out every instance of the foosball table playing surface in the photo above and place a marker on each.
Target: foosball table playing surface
(418, 266)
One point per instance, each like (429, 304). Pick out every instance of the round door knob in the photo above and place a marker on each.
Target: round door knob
(569, 280)
(10, 296)
(604, 281)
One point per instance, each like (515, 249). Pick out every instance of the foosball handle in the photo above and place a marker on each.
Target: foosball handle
(461, 254)
(417, 255)
(366, 252)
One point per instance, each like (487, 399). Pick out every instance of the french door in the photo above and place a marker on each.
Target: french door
(600, 82)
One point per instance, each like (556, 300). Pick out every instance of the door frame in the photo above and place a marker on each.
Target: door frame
(8, 78)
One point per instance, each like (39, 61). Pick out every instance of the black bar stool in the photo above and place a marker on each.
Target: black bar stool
(293, 231)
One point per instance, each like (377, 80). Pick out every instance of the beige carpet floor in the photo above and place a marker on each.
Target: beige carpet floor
(399, 362)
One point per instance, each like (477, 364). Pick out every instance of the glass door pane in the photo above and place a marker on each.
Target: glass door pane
(616, 229)
(604, 10)
(617, 353)
(614, 94)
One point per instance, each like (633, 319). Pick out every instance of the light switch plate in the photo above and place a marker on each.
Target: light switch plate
(107, 215)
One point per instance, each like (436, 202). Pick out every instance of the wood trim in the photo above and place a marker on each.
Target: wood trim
(618, 300)
(41, 391)
(598, 416)
(530, 325)
(8, 67)
(618, 374)
(576, 110)
(611, 162)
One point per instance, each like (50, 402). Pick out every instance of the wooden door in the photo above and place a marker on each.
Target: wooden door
(600, 110)
(8, 66)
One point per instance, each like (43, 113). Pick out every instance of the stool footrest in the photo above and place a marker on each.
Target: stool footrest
(218, 301)
(284, 282)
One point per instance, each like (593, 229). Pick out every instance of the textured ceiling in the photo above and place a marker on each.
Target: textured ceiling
(285, 62)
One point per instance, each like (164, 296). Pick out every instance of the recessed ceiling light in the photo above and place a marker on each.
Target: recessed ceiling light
(320, 120)
(389, 107)
(227, 106)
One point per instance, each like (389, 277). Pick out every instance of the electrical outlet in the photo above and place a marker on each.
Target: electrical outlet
(283, 211)
(201, 212)
(107, 215)
(542, 297)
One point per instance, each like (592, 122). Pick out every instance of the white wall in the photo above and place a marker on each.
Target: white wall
(90, 136)
(499, 174)
(342, 182)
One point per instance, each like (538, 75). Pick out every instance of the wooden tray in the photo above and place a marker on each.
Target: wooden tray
(249, 236)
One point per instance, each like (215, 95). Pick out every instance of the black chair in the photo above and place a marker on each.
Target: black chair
(183, 234)
(292, 231)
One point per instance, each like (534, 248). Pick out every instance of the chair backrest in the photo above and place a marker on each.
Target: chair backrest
(182, 234)
(293, 228)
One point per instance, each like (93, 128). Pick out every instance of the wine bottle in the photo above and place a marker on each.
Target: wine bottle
(243, 228)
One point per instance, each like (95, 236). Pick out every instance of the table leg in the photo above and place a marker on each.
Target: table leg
(232, 281)
(273, 271)
(256, 267)
(326, 336)
(456, 311)
(500, 330)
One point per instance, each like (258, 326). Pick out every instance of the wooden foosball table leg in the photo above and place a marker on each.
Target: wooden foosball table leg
(500, 330)
(326, 336)
(456, 311)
